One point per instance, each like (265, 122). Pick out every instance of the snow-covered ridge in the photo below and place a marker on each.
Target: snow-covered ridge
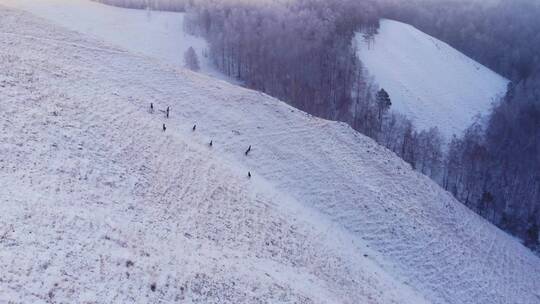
(429, 81)
(99, 204)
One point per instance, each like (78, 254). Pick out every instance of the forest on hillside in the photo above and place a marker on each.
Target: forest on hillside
(495, 167)
(319, 72)
(302, 52)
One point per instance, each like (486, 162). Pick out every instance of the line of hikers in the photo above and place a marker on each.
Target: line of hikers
(211, 144)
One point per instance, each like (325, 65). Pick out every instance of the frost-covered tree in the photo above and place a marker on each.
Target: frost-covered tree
(532, 238)
(383, 103)
(430, 155)
(191, 60)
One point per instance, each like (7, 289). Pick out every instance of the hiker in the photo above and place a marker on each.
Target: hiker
(151, 107)
(211, 143)
(248, 150)
(164, 128)
(249, 174)
(194, 128)
(168, 109)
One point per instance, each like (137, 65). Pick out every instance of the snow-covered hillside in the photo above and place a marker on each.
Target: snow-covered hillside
(155, 34)
(98, 204)
(428, 80)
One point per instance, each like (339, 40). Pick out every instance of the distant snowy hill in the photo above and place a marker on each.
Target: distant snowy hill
(428, 80)
(155, 34)
(99, 204)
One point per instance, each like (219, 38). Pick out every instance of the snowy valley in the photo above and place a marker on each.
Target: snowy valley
(99, 204)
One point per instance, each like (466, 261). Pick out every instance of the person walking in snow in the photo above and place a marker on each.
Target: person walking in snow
(211, 143)
(248, 150)
(168, 109)
(249, 174)
(164, 128)
(151, 107)
(194, 128)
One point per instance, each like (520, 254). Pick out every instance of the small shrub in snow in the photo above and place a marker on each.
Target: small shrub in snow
(191, 60)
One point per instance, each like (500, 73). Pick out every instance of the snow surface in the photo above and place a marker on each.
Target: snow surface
(155, 34)
(98, 204)
(428, 80)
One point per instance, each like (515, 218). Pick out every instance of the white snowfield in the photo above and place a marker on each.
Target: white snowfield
(99, 205)
(155, 34)
(429, 81)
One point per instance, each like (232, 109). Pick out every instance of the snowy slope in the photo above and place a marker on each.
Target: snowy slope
(155, 34)
(428, 80)
(98, 203)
